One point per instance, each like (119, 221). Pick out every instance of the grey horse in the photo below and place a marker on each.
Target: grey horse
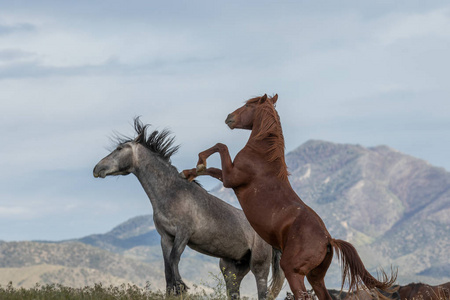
(185, 214)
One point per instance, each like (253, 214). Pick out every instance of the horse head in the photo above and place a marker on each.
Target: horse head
(118, 162)
(126, 157)
(244, 116)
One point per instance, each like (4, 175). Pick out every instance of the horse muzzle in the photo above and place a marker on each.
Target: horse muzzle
(230, 121)
(99, 172)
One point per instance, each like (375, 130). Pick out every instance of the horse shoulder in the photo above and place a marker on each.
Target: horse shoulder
(248, 161)
(175, 216)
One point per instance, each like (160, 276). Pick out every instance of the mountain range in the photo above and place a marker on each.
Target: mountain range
(393, 207)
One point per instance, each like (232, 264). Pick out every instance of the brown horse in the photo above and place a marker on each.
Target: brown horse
(425, 291)
(259, 177)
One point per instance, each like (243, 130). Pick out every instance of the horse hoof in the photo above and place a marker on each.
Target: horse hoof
(182, 175)
(289, 296)
(201, 168)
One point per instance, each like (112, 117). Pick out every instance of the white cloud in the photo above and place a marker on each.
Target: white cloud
(15, 212)
(359, 74)
(11, 54)
(432, 24)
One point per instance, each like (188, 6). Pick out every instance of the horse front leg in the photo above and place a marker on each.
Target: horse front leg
(166, 246)
(191, 174)
(229, 175)
(180, 242)
(172, 250)
(201, 170)
(203, 156)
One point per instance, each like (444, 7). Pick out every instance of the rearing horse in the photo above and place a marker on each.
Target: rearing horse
(259, 177)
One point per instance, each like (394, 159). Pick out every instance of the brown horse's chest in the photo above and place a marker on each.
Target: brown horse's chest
(253, 165)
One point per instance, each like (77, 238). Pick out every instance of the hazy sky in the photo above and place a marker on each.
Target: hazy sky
(74, 72)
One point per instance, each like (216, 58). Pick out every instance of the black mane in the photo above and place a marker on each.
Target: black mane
(158, 142)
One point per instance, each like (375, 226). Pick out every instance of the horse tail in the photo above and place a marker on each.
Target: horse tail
(353, 269)
(276, 283)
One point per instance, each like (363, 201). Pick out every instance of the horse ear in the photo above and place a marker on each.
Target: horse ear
(274, 99)
(263, 99)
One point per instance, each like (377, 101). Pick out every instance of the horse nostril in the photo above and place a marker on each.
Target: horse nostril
(98, 171)
(229, 119)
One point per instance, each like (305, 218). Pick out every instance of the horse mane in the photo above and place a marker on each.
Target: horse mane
(158, 142)
(270, 130)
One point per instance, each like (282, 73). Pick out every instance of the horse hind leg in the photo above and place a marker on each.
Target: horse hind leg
(316, 277)
(299, 262)
(233, 273)
(297, 286)
(260, 261)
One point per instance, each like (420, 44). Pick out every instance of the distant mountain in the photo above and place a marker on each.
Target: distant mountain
(72, 264)
(393, 207)
(138, 231)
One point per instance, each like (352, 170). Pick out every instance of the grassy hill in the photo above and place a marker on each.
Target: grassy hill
(72, 264)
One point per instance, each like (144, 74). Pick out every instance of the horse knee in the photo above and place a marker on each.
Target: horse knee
(221, 147)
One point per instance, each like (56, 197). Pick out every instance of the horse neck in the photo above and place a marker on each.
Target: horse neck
(261, 143)
(257, 144)
(156, 176)
(260, 136)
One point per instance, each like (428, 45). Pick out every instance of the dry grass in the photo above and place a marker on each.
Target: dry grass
(100, 292)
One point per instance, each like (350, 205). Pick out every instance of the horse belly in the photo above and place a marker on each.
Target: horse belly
(265, 225)
(222, 233)
(218, 245)
(271, 209)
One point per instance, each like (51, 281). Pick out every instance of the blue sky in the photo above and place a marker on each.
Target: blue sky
(73, 73)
